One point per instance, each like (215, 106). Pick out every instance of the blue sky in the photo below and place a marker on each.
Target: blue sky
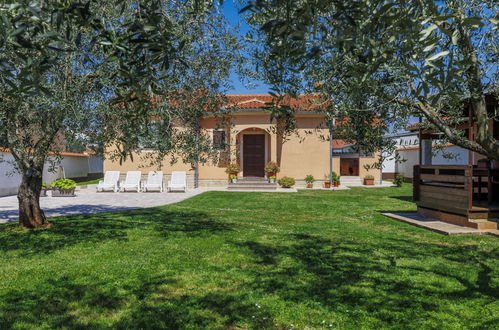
(231, 12)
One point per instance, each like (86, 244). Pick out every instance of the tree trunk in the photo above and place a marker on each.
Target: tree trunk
(30, 213)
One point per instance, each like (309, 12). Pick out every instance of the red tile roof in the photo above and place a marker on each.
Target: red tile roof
(339, 144)
(304, 102)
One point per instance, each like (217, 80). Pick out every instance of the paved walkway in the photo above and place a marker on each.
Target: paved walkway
(90, 201)
(437, 226)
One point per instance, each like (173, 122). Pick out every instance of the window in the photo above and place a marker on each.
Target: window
(219, 139)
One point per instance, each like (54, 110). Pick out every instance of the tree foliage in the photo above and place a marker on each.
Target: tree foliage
(388, 59)
(108, 74)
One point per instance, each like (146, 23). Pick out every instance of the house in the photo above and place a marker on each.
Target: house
(466, 194)
(252, 140)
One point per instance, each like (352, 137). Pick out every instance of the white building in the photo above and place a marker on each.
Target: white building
(72, 165)
(407, 144)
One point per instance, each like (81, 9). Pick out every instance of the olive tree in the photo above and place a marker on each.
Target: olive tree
(101, 72)
(433, 55)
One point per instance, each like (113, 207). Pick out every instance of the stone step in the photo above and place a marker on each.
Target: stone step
(250, 187)
(253, 182)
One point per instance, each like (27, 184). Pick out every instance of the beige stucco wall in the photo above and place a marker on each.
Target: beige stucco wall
(369, 160)
(306, 151)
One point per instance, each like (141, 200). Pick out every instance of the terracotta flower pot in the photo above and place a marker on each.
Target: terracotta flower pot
(336, 184)
(310, 185)
(369, 182)
(327, 184)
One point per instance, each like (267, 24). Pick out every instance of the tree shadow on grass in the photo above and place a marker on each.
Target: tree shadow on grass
(388, 280)
(95, 228)
(57, 303)
(62, 303)
(403, 198)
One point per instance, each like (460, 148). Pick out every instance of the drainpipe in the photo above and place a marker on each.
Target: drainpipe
(196, 164)
(331, 123)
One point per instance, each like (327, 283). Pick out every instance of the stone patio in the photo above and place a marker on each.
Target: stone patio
(90, 201)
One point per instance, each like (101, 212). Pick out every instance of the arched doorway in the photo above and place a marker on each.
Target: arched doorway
(253, 151)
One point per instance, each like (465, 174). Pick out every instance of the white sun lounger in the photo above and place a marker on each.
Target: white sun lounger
(110, 181)
(154, 181)
(132, 181)
(177, 182)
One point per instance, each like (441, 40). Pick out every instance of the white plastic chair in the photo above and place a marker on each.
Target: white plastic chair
(132, 181)
(177, 182)
(154, 181)
(110, 181)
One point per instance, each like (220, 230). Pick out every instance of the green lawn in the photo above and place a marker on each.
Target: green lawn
(95, 181)
(314, 259)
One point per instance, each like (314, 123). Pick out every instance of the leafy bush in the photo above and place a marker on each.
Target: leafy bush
(286, 182)
(63, 184)
(44, 185)
(399, 180)
(309, 178)
(272, 168)
(335, 178)
(233, 168)
(369, 177)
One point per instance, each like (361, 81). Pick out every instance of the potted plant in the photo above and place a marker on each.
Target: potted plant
(63, 188)
(309, 179)
(272, 179)
(233, 170)
(369, 180)
(271, 169)
(233, 178)
(483, 163)
(286, 182)
(327, 184)
(43, 192)
(335, 179)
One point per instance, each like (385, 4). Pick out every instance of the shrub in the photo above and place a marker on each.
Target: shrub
(233, 168)
(369, 176)
(286, 182)
(44, 185)
(63, 184)
(399, 180)
(335, 178)
(272, 168)
(233, 176)
(309, 178)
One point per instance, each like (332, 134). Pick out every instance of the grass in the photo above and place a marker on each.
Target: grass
(314, 259)
(95, 181)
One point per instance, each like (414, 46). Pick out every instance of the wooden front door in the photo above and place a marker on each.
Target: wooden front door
(349, 167)
(253, 155)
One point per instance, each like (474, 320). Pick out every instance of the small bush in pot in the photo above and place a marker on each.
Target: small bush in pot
(309, 179)
(271, 169)
(335, 179)
(286, 182)
(369, 180)
(233, 169)
(272, 178)
(63, 188)
(399, 180)
(233, 178)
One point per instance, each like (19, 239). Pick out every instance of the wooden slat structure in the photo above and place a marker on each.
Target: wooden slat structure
(460, 194)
